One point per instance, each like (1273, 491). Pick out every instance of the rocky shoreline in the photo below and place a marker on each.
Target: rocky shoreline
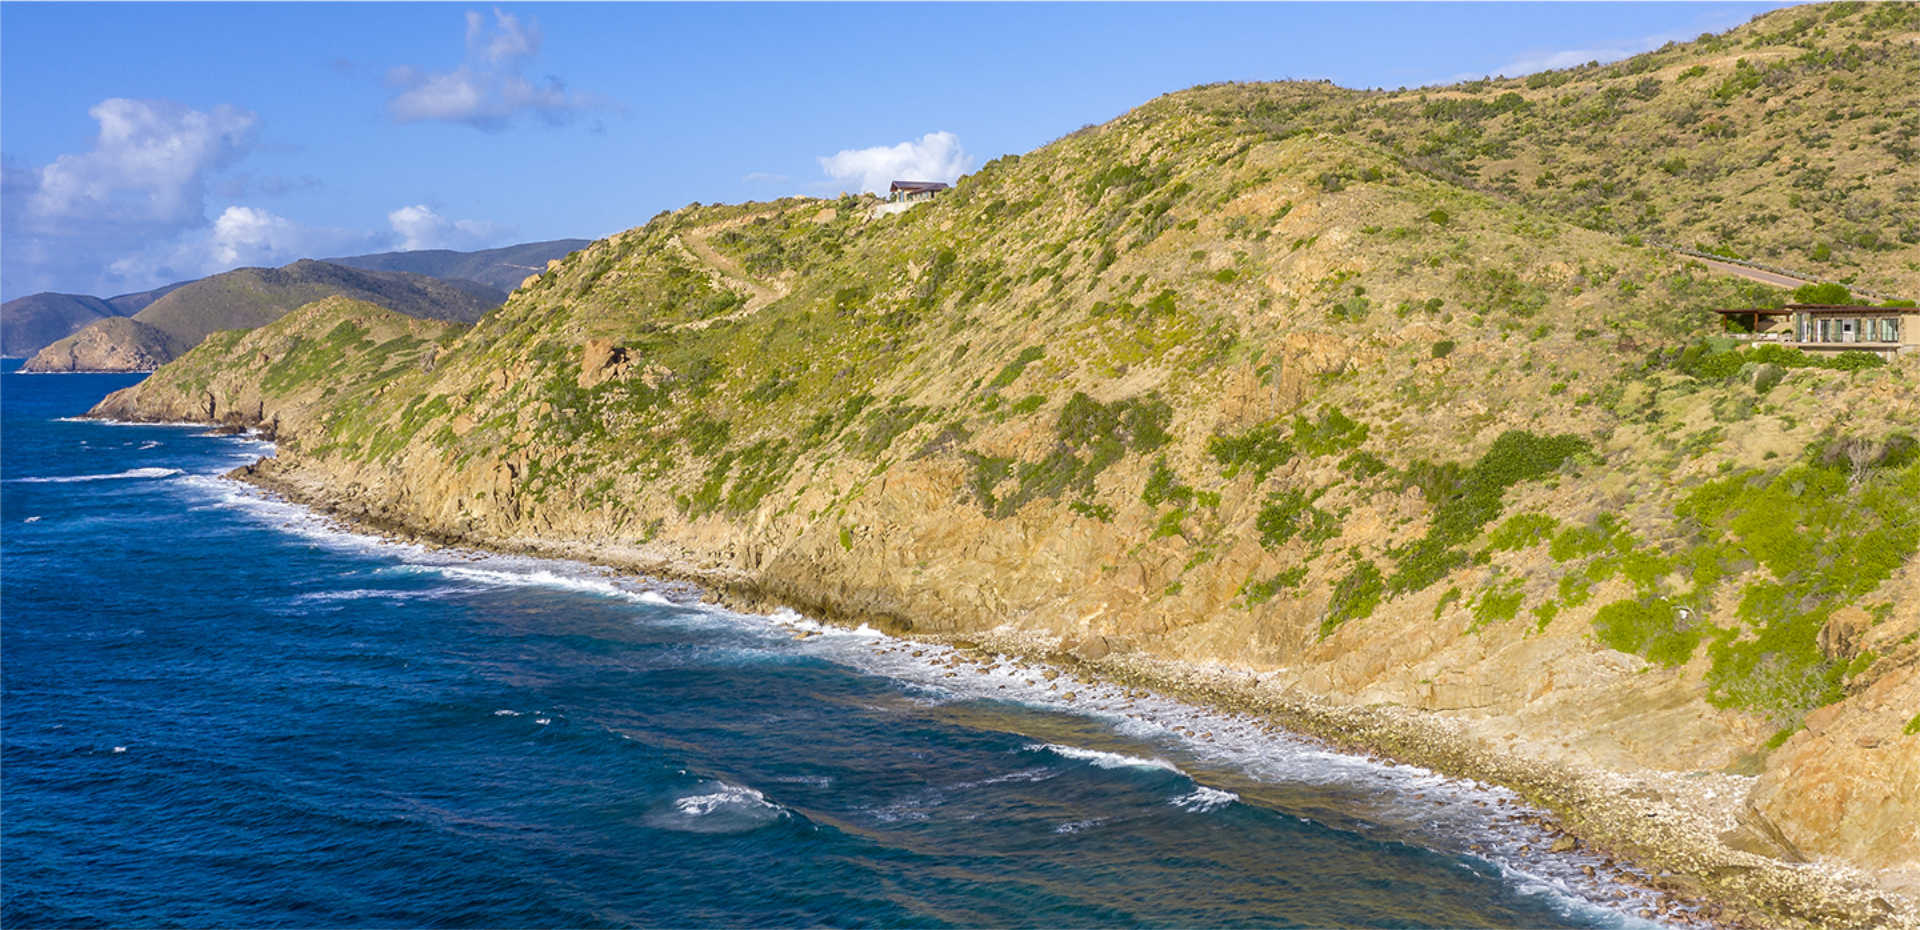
(1668, 826)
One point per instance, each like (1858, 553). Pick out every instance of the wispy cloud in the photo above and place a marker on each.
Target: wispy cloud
(148, 165)
(489, 89)
(143, 180)
(936, 156)
(419, 226)
(132, 211)
(1553, 60)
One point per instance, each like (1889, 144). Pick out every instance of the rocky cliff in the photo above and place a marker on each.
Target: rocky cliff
(1204, 386)
(112, 344)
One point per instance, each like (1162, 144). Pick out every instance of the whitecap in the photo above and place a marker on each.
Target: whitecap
(503, 712)
(387, 594)
(119, 475)
(33, 519)
(150, 444)
(1204, 800)
(1099, 759)
(1080, 826)
(717, 807)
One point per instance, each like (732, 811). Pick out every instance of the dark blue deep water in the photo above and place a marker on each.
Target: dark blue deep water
(220, 712)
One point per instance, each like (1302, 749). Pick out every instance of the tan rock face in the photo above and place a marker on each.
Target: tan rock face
(116, 344)
(601, 360)
(1846, 784)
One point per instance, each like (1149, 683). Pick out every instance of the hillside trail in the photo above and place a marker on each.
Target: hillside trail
(760, 293)
(1753, 274)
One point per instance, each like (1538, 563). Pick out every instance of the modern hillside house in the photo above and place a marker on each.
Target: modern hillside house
(1829, 327)
(914, 191)
(905, 195)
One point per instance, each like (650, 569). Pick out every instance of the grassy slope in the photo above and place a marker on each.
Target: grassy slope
(1790, 140)
(1275, 393)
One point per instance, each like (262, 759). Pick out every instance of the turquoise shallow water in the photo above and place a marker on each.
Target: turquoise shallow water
(221, 712)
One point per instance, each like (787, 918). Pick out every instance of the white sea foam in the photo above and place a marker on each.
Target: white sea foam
(150, 444)
(116, 476)
(104, 421)
(1204, 800)
(544, 578)
(1080, 826)
(503, 712)
(33, 519)
(1099, 759)
(717, 807)
(383, 594)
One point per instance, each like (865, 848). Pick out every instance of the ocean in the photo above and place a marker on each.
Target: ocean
(221, 710)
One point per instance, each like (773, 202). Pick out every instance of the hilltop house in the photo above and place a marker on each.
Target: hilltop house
(913, 191)
(905, 195)
(1884, 331)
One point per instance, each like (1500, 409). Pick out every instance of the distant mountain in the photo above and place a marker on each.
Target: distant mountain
(246, 298)
(28, 324)
(503, 268)
(130, 304)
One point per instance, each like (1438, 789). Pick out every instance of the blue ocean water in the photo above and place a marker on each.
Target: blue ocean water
(220, 711)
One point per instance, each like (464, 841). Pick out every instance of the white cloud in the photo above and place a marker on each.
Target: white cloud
(489, 89)
(420, 227)
(239, 237)
(507, 42)
(148, 164)
(144, 180)
(936, 156)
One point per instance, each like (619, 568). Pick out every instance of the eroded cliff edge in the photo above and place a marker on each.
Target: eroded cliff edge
(1195, 387)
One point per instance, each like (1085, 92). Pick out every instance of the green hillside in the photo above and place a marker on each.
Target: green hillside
(1252, 375)
(1792, 140)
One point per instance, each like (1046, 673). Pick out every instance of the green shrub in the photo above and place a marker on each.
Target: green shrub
(1646, 627)
(1012, 371)
(1522, 531)
(1466, 499)
(1822, 294)
(1334, 432)
(1354, 597)
(1498, 604)
(1260, 449)
(1443, 348)
(1259, 592)
(1362, 465)
(1290, 513)
(1164, 485)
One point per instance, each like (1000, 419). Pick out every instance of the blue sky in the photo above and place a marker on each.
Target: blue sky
(146, 143)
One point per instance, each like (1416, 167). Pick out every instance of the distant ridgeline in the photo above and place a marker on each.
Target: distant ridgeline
(1380, 393)
(463, 285)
